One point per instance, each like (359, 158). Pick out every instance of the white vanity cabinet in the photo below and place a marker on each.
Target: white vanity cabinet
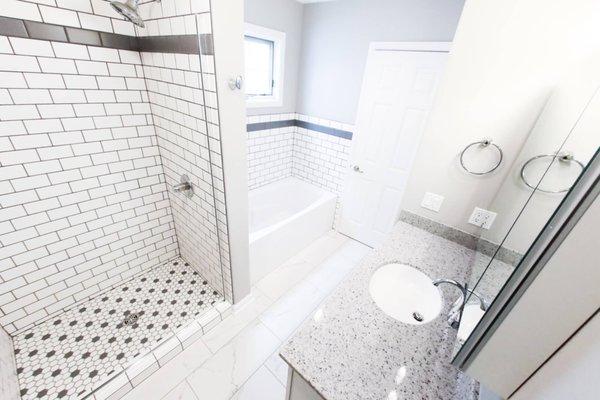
(299, 389)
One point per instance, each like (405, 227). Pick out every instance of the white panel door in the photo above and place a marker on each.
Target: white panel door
(398, 90)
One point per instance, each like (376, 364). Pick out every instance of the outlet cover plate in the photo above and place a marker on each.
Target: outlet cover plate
(482, 218)
(432, 201)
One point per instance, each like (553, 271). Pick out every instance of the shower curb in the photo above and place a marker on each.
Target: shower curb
(139, 369)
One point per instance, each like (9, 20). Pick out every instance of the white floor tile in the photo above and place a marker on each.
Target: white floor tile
(261, 386)
(223, 374)
(284, 317)
(278, 282)
(183, 391)
(322, 248)
(278, 367)
(232, 325)
(172, 373)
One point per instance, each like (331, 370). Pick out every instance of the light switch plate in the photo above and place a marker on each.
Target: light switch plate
(432, 201)
(482, 218)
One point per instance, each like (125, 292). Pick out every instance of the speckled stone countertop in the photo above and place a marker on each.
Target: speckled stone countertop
(356, 352)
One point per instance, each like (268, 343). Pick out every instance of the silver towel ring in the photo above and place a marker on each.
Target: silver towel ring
(564, 157)
(482, 143)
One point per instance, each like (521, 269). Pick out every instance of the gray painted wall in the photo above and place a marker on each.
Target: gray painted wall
(285, 16)
(336, 38)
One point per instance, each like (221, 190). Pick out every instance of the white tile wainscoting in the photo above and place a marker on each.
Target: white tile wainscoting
(314, 156)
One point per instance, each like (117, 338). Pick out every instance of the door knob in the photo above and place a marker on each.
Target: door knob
(236, 83)
(356, 168)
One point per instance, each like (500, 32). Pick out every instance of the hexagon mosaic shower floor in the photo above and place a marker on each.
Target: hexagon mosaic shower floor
(68, 355)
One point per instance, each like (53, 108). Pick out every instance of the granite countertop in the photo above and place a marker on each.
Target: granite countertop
(356, 352)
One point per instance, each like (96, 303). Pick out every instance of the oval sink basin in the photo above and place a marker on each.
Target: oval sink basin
(405, 294)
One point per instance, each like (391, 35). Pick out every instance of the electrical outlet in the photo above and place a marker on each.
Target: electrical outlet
(432, 201)
(482, 218)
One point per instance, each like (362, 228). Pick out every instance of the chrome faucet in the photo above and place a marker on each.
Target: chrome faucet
(459, 304)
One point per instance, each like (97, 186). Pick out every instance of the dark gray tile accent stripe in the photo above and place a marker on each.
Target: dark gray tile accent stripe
(261, 126)
(83, 36)
(121, 42)
(12, 27)
(39, 30)
(324, 129)
(207, 46)
(186, 44)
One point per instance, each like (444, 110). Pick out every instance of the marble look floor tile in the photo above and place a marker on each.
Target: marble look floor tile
(278, 282)
(261, 386)
(175, 371)
(322, 248)
(278, 367)
(224, 373)
(232, 325)
(289, 311)
(183, 391)
(334, 269)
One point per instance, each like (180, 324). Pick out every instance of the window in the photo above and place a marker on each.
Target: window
(264, 53)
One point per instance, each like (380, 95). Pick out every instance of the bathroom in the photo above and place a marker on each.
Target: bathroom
(215, 200)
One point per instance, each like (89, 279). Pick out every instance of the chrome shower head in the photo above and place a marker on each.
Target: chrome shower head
(129, 10)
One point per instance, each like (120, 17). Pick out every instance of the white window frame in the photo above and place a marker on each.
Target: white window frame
(278, 39)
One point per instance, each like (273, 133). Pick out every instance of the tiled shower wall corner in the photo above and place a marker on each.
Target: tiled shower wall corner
(175, 92)
(317, 157)
(83, 199)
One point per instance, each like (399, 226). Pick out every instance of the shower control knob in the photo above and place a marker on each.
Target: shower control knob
(356, 168)
(185, 187)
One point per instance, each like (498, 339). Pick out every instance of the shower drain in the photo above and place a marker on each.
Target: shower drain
(130, 319)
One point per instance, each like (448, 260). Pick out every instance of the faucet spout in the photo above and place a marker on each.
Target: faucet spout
(455, 311)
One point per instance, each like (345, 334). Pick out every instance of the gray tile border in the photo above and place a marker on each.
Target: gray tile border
(12, 27)
(261, 126)
(182, 44)
(39, 30)
(83, 36)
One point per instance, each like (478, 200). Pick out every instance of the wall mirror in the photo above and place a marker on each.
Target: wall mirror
(563, 141)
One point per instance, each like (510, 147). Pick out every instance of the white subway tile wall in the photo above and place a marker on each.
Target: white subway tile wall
(88, 14)
(174, 17)
(176, 98)
(83, 199)
(316, 157)
(270, 151)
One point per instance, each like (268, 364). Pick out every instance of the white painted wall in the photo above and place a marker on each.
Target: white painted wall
(335, 42)
(284, 16)
(507, 57)
(228, 25)
(572, 373)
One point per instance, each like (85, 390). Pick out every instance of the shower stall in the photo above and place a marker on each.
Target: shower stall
(114, 245)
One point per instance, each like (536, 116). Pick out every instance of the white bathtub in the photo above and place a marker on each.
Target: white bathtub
(285, 217)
